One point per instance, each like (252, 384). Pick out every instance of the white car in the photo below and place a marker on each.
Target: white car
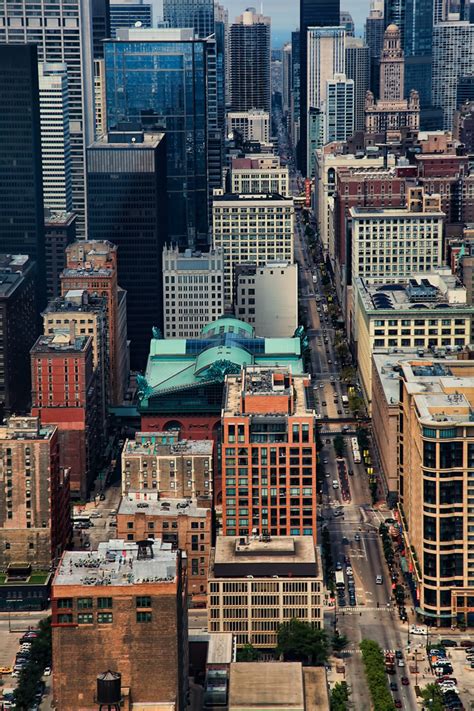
(47, 671)
(335, 484)
(417, 629)
(349, 570)
(379, 580)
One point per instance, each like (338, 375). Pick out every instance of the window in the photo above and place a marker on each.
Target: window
(105, 618)
(85, 618)
(65, 602)
(65, 618)
(143, 616)
(84, 603)
(144, 601)
(104, 603)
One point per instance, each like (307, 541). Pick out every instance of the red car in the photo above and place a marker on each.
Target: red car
(398, 704)
(405, 680)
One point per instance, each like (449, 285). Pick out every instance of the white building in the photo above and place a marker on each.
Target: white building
(453, 57)
(339, 109)
(259, 175)
(193, 291)
(251, 228)
(62, 31)
(55, 136)
(253, 125)
(266, 296)
(100, 98)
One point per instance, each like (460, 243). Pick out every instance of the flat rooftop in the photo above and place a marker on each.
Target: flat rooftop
(116, 562)
(166, 444)
(25, 428)
(393, 212)
(278, 384)
(59, 343)
(266, 685)
(281, 549)
(129, 506)
(258, 197)
(147, 140)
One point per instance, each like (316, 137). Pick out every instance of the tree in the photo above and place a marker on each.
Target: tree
(432, 697)
(339, 641)
(40, 657)
(348, 374)
(339, 445)
(248, 653)
(373, 659)
(299, 642)
(356, 403)
(339, 697)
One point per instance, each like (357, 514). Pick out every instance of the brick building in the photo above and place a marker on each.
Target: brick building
(122, 607)
(92, 266)
(35, 524)
(65, 393)
(268, 453)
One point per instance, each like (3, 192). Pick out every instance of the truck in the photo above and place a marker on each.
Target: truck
(390, 662)
(315, 278)
(339, 579)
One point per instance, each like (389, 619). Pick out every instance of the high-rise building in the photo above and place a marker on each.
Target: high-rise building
(100, 26)
(295, 89)
(71, 46)
(453, 57)
(339, 109)
(65, 393)
(138, 587)
(193, 291)
(131, 97)
(238, 219)
(286, 78)
(249, 59)
(190, 13)
(92, 267)
(394, 14)
(100, 101)
(374, 31)
(127, 13)
(358, 69)
(21, 183)
(346, 20)
(259, 175)
(55, 137)
(392, 66)
(127, 203)
(59, 233)
(283, 450)
(35, 520)
(313, 13)
(418, 48)
(252, 125)
(18, 316)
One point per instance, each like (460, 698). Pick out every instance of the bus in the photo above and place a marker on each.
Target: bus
(82, 521)
(339, 579)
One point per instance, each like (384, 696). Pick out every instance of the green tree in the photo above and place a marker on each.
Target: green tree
(40, 657)
(339, 445)
(340, 697)
(374, 666)
(299, 642)
(348, 374)
(356, 404)
(339, 641)
(248, 653)
(432, 697)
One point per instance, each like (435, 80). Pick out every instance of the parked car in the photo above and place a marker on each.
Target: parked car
(405, 681)
(448, 643)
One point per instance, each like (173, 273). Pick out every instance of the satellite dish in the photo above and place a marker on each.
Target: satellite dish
(138, 23)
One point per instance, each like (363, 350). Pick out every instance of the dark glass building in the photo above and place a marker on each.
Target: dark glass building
(128, 15)
(249, 62)
(394, 14)
(21, 183)
(374, 31)
(190, 13)
(313, 13)
(418, 49)
(100, 26)
(156, 79)
(126, 179)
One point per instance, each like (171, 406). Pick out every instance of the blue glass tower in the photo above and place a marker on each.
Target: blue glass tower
(418, 48)
(156, 79)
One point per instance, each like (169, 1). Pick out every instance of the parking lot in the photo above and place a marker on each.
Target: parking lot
(464, 674)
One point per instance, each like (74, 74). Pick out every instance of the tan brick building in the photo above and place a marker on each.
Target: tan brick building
(122, 607)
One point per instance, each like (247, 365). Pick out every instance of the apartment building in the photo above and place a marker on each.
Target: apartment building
(436, 456)
(268, 453)
(258, 583)
(193, 291)
(109, 608)
(251, 228)
(253, 125)
(259, 175)
(430, 310)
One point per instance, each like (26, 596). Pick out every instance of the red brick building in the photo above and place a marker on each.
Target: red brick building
(268, 453)
(65, 393)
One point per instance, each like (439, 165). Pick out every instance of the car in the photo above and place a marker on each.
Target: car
(467, 643)
(329, 361)
(327, 475)
(347, 560)
(398, 704)
(47, 671)
(448, 643)
(398, 654)
(357, 537)
(338, 564)
(342, 602)
(349, 570)
(325, 461)
(405, 680)
(352, 601)
(401, 663)
(335, 484)
(351, 473)
(345, 541)
(418, 629)
(339, 412)
(393, 686)
(6, 670)
(102, 497)
(379, 580)
(324, 403)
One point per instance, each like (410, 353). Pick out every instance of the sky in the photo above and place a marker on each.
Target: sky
(285, 14)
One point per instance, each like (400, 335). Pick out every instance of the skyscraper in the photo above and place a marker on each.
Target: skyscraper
(339, 109)
(358, 69)
(127, 204)
(249, 50)
(55, 137)
(453, 57)
(21, 184)
(127, 14)
(135, 95)
(418, 48)
(346, 20)
(62, 31)
(394, 14)
(100, 26)
(287, 77)
(190, 13)
(296, 89)
(374, 29)
(313, 13)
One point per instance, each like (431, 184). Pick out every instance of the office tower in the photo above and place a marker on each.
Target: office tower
(358, 69)
(250, 397)
(295, 571)
(252, 125)
(193, 291)
(138, 597)
(18, 316)
(266, 296)
(131, 97)
(249, 58)
(418, 48)
(453, 57)
(259, 175)
(374, 31)
(345, 19)
(55, 137)
(35, 523)
(339, 109)
(465, 90)
(435, 485)
(464, 126)
(326, 57)
(238, 219)
(21, 184)
(129, 14)
(100, 99)
(313, 13)
(92, 267)
(59, 233)
(127, 203)
(394, 14)
(392, 111)
(286, 78)
(100, 26)
(190, 13)
(295, 108)
(71, 46)
(65, 393)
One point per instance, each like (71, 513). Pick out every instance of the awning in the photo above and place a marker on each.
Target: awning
(403, 564)
(441, 615)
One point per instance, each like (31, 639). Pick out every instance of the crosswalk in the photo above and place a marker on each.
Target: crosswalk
(364, 608)
(347, 651)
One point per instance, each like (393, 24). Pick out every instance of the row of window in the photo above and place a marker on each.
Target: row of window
(102, 603)
(87, 618)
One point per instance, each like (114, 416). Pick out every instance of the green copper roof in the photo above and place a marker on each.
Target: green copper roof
(238, 356)
(228, 325)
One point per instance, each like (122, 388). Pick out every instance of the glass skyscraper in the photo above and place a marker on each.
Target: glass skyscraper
(418, 48)
(156, 79)
(190, 13)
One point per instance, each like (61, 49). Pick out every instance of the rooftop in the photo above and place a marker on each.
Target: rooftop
(154, 34)
(20, 428)
(147, 140)
(169, 507)
(165, 444)
(248, 197)
(60, 342)
(117, 562)
(76, 300)
(394, 212)
(266, 685)
(264, 549)
(287, 392)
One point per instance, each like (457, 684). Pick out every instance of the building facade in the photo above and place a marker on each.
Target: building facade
(339, 109)
(193, 291)
(249, 62)
(127, 13)
(252, 125)
(259, 175)
(59, 233)
(358, 69)
(453, 57)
